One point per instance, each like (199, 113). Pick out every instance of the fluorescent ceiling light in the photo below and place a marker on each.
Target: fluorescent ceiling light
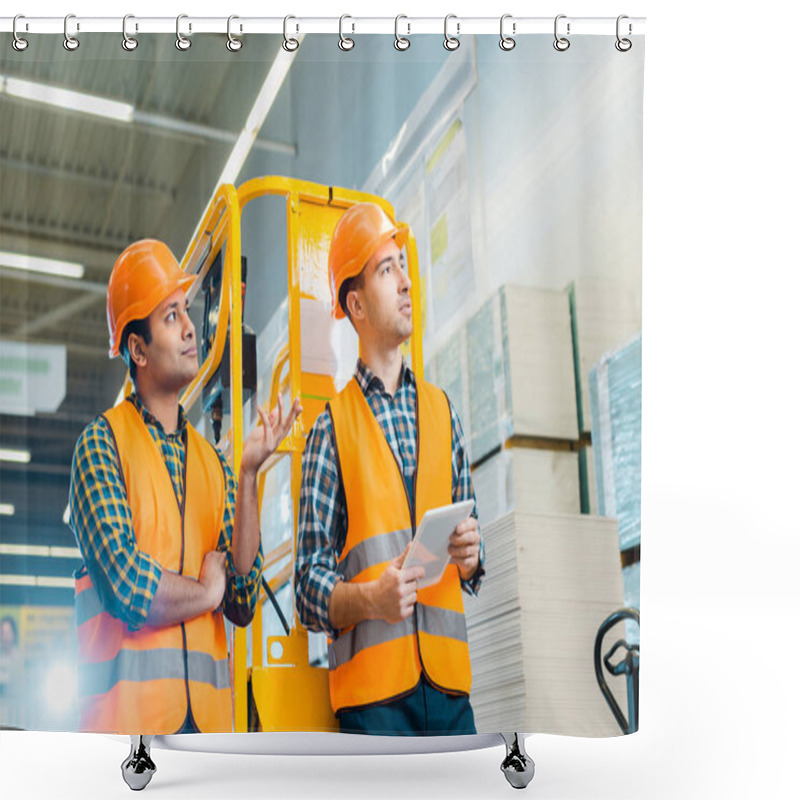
(39, 551)
(49, 266)
(64, 98)
(17, 456)
(6, 510)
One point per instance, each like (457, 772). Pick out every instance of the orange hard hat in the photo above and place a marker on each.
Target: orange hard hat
(145, 273)
(360, 231)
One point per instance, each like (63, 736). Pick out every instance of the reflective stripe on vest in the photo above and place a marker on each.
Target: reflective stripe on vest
(151, 665)
(431, 620)
(139, 681)
(376, 661)
(374, 551)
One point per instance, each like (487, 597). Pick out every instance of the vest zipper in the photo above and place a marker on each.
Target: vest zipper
(413, 508)
(182, 509)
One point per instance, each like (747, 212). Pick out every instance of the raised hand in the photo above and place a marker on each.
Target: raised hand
(270, 431)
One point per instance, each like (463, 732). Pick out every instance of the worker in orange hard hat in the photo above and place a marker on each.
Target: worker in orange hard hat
(169, 538)
(388, 448)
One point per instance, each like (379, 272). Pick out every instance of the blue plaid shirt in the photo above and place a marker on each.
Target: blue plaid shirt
(322, 527)
(125, 577)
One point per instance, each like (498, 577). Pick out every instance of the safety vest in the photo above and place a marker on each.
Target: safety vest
(143, 681)
(374, 661)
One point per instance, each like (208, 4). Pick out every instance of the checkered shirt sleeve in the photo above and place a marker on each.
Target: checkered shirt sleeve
(100, 518)
(463, 490)
(241, 592)
(321, 528)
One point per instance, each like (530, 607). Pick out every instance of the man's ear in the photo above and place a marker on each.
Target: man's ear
(354, 305)
(136, 350)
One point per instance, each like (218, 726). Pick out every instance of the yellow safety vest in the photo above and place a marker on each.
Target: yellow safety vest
(376, 662)
(143, 681)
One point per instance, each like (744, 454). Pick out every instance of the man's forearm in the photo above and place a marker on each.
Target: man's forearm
(350, 604)
(246, 527)
(177, 599)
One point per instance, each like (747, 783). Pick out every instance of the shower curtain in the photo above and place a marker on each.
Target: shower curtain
(516, 174)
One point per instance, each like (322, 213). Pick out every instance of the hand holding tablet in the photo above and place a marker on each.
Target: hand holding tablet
(430, 543)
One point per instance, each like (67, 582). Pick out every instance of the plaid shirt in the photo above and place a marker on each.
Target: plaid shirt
(125, 577)
(322, 527)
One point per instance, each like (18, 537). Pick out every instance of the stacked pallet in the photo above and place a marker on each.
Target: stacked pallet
(551, 581)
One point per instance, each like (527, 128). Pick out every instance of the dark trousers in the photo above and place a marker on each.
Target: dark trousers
(425, 712)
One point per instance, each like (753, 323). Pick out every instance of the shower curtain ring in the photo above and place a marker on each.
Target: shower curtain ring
(345, 42)
(401, 42)
(129, 43)
(290, 44)
(70, 42)
(507, 42)
(451, 42)
(561, 43)
(234, 44)
(19, 44)
(181, 42)
(623, 45)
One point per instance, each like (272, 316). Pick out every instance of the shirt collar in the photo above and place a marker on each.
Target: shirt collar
(368, 380)
(151, 420)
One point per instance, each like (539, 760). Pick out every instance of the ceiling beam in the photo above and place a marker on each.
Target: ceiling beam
(163, 125)
(175, 125)
(81, 237)
(76, 176)
(55, 315)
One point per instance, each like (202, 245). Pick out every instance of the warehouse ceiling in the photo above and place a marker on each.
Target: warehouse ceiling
(80, 187)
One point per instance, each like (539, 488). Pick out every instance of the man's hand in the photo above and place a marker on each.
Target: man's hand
(464, 547)
(213, 578)
(264, 439)
(395, 592)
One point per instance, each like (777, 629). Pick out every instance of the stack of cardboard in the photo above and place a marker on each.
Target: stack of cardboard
(616, 397)
(527, 480)
(551, 581)
(520, 364)
(605, 313)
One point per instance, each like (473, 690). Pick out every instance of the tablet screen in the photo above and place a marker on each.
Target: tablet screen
(429, 545)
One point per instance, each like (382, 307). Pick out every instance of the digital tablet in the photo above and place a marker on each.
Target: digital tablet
(429, 545)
